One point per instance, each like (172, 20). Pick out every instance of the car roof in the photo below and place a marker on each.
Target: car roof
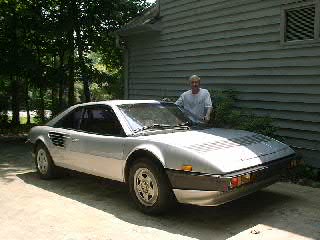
(110, 103)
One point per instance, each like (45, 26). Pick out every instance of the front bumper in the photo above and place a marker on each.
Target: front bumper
(212, 190)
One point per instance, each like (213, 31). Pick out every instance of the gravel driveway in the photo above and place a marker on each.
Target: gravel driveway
(85, 207)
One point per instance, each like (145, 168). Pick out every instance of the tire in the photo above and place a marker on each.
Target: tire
(44, 164)
(149, 187)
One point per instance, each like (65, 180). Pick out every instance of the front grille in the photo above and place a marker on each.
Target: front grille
(229, 143)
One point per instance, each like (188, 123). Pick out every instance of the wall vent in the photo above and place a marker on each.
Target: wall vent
(300, 24)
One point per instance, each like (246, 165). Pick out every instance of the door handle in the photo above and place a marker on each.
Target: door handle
(75, 140)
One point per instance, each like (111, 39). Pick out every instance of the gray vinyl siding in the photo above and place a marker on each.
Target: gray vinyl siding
(233, 44)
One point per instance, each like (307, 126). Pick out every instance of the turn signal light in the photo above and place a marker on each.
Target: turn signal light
(187, 168)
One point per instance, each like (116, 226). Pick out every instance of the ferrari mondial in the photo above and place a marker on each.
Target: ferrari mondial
(162, 152)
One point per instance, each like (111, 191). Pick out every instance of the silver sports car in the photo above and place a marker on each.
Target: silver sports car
(161, 151)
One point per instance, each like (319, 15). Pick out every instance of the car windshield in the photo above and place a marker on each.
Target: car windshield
(143, 116)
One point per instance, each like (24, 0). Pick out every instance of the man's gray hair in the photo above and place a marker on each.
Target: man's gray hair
(196, 77)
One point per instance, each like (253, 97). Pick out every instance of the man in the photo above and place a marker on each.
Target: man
(197, 100)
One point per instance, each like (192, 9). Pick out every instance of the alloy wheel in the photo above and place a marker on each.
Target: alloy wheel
(146, 186)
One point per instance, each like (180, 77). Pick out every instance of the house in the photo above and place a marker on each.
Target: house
(266, 50)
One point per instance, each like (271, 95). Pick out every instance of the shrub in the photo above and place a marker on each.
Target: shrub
(225, 115)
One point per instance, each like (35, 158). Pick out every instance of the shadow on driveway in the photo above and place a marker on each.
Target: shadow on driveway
(192, 221)
(272, 207)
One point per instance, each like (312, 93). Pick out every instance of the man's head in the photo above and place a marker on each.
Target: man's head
(195, 84)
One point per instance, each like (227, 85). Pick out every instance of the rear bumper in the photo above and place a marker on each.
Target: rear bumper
(212, 190)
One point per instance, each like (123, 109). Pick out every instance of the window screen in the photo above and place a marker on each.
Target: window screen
(300, 23)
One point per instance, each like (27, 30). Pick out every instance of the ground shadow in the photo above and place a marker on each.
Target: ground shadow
(15, 157)
(112, 197)
(197, 222)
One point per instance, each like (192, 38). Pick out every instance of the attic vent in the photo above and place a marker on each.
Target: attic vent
(300, 24)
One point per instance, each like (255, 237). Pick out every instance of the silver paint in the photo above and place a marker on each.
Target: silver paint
(106, 156)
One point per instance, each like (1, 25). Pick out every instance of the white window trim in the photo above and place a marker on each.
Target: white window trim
(283, 22)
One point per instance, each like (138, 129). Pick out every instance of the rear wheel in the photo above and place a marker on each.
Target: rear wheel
(44, 164)
(150, 188)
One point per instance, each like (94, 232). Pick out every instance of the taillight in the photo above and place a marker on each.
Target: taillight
(234, 182)
(240, 180)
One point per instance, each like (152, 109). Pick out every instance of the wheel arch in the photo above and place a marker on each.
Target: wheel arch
(151, 153)
(37, 142)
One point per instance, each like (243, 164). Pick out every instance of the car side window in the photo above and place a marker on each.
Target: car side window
(100, 120)
(72, 120)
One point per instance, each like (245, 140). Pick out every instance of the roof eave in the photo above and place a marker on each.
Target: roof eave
(155, 27)
(149, 21)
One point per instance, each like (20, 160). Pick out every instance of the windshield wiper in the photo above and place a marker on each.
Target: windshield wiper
(153, 126)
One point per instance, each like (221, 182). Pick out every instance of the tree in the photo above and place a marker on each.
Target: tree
(45, 48)
(94, 22)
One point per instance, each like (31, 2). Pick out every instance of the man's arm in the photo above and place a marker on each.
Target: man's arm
(207, 116)
(209, 108)
(179, 102)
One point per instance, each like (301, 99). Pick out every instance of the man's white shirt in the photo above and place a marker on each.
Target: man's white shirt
(195, 103)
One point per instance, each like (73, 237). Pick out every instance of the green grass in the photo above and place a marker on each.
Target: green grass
(23, 120)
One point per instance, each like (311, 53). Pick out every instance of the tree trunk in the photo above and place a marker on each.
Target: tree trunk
(27, 101)
(79, 44)
(61, 82)
(15, 101)
(61, 90)
(13, 79)
(41, 83)
(84, 76)
(71, 71)
(54, 107)
(42, 104)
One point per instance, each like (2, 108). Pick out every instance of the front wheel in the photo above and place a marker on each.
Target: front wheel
(44, 164)
(149, 187)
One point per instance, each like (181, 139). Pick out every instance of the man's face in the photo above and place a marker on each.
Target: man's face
(195, 85)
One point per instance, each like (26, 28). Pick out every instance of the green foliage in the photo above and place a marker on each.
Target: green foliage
(4, 121)
(308, 172)
(262, 125)
(226, 115)
(306, 175)
(15, 130)
(46, 46)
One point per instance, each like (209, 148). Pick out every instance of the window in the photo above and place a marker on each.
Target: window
(72, 120)
(300, 22)
(100, 120)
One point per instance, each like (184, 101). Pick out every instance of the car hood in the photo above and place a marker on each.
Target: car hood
(224, 150)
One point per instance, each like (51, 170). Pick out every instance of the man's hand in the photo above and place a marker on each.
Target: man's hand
(207, 116)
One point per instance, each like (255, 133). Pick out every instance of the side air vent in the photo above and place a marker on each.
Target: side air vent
(57, 139)
(233, 142)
